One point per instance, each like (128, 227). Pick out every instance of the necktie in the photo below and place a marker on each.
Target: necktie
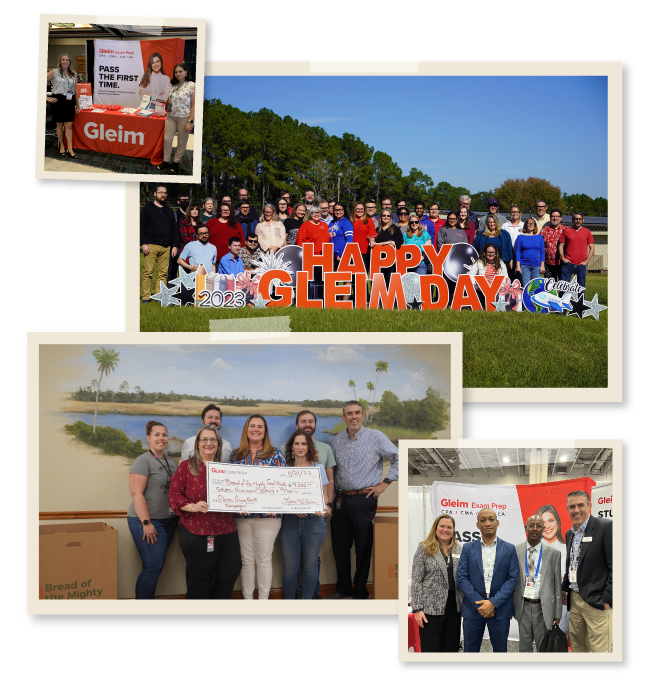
(531, 563)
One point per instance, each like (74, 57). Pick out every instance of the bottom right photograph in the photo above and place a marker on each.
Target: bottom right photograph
(509, 549)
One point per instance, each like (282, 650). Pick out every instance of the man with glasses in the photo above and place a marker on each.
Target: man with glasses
(464, 202)
(159, 240)
(243, 197)
(551, 234)
(325, 212)
(386, 203)
(309, 198)
(370, 207)
(245, 218)
(541, 217)
(211, 415)
(199, 252)
(576, 248)
(251, 253)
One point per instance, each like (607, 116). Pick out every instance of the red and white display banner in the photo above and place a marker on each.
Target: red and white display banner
(513, 504)
(602, 501)
(119, 66)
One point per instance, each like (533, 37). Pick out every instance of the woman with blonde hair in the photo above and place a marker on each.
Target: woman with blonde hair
(208, 540)
(417, 236)
(530, 252)
(257, 531)
(65, 102)
(495, 235)
(270, 230)
(154, 81)
(436, 600)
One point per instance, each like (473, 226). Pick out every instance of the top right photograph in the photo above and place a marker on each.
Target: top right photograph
(487, 204)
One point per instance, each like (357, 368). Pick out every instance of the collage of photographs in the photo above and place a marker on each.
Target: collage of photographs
(373, 353)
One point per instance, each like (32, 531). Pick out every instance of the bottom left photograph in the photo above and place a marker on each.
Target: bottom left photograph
(262, 470)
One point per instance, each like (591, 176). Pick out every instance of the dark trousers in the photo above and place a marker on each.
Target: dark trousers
(210, 575)
(172, 267)
(498, 629)
(442, 633)
(553, 271)
(353, 523)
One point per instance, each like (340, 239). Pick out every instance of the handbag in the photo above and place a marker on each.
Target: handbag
(554, 641)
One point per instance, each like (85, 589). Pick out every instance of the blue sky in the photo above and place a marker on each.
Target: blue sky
(471, 131)
(287, 371)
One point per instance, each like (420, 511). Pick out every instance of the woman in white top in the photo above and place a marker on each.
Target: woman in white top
(489, 264)
(270, 230)
(154, 82)
(180, 109)
(65, 100)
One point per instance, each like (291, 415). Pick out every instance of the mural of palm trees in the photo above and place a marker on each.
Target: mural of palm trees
(107, 360)
(124, 387)
(370, 387)
(351, 384)
(380, 367)
(95, 384)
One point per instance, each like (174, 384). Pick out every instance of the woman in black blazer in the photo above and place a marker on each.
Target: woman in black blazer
(436, 599)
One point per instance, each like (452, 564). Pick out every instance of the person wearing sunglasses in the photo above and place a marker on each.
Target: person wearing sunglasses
(388, 234)
(403, 219)
(576, 248)
(417, 236)
(251, 253)
(270, 230)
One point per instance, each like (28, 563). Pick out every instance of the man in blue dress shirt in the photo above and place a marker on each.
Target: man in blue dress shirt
(199, 252)
(359, 454)
(231, 262)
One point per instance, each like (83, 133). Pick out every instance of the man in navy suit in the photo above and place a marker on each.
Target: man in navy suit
(487, 574)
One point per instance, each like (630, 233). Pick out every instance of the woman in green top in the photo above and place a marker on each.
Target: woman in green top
(417, 236)
(151, 523)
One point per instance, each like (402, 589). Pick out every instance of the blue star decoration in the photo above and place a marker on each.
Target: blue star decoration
(594, 308)
(500, 305)
(259, 303)
(165, 296)
(185, 295)
(415, 304)
(185, 278)
(578, 307)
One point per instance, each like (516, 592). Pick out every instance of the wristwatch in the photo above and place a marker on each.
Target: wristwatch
(190, 121)
(387, 480)
(145, 522)
(329, 505)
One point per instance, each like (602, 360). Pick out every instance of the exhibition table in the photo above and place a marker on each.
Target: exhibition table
(120, 133)
(414, 634)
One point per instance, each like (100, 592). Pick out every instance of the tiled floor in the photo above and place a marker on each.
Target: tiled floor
(102, 162)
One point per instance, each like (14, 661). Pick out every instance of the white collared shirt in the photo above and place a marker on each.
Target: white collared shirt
(537, 547)
(488, 555)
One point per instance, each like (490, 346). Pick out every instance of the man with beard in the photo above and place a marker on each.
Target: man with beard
(537, 595)
(309, 198)
(243, 197)
(307, 421)
(251, 253)
(211, 415)
(247, 218)
(199, 252)
(158, 238)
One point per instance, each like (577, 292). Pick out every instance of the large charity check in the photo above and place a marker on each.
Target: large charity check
(264, 488)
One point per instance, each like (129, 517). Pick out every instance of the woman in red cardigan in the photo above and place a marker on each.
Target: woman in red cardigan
(208, 540)
(363, 233)
(222, 228)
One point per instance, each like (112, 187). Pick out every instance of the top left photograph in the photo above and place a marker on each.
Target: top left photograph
(120, 102)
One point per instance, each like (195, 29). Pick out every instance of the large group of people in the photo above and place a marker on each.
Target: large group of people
(528, 249)
(218, 547)
(545, 581)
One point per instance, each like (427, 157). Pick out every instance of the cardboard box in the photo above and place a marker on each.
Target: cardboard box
(385, 558)
(77, 562)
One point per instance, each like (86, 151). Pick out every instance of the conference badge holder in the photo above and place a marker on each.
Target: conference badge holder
(210, 543)
(160, 107)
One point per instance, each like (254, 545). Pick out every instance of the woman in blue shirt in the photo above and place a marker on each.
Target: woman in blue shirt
(417, 236)
(302, 535)
(529, 252)
(493, 235)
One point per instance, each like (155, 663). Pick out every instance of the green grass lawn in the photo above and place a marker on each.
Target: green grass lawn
(499, 350)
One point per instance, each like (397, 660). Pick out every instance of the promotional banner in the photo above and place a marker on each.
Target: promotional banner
(602, 501)
(264, 488)
(120, 65)
(297, 276)
(513, 504)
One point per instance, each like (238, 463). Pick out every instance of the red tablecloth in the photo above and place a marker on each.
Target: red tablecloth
(414, 634)
(140, 137)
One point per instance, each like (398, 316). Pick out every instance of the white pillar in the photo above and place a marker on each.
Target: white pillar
(538, 466)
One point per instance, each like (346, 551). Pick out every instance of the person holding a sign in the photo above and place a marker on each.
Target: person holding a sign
(388, 234)
(436, 600)
(208, 540)
(359, 454)
(257, 531)
(154, 82)
(487, 574)
(66, 102)
(587, 587)
(537, 595)
(417, 236)
(180, 116)
(302, 535)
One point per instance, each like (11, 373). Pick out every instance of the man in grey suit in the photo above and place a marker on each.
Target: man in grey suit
(537, 595)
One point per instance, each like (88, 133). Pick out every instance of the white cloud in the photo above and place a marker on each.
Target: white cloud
(341, 355)
(419, 376)
(221, 364)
